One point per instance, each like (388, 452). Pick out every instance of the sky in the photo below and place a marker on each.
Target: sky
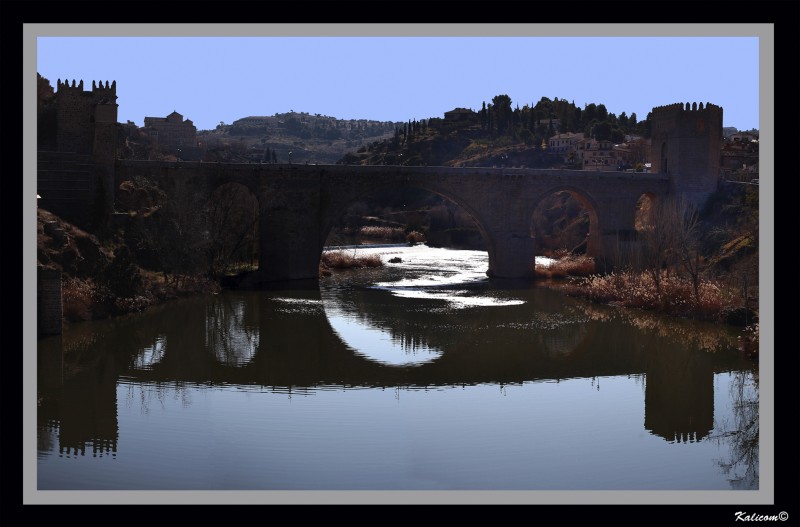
(213, 79)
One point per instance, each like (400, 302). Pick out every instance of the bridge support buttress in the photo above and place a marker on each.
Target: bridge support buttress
(512, 255)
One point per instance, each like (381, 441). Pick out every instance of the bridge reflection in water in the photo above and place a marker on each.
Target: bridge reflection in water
(285, 341)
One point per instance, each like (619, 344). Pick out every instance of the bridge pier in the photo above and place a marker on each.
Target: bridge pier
(512, 255)
(284, 250)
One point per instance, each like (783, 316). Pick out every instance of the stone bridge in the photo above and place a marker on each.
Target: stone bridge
(299, 204)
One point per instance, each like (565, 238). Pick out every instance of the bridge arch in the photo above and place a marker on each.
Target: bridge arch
(233, 213)
(594, 246)
(339, 209)
(644, 210)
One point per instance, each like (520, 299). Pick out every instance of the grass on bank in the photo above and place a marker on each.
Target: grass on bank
(566, 266)
(86, 299)
(674, 295)
(346, 260)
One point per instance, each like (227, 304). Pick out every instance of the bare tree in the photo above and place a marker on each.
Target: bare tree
(233, 218)
(670, 236)
(180, 232)
(657, 236)
(687, 251)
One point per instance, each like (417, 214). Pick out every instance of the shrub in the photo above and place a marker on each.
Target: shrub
(415, 237)
(674, 297)
(344, 260)
(565, 266)
(384, 233)
(122, 276)
(76, 300)
(749, 341)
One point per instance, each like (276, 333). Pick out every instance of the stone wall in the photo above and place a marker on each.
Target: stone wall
(75, 114)
(49, 301)
(299, 204)
(68, 179)
(686, 145)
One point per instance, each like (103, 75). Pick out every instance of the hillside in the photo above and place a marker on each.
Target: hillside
(296, 137)
(498, 135)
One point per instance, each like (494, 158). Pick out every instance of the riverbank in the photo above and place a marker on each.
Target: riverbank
(711, 300)
(100, 278)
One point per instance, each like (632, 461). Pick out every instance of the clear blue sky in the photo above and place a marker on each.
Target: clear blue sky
(213, 79)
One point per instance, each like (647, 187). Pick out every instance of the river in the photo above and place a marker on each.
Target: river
(419, 375)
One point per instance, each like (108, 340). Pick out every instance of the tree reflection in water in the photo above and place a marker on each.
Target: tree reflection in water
(742, 466)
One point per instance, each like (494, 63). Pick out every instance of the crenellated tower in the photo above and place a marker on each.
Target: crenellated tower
(86, 120)
(71, 178)
(686, 140)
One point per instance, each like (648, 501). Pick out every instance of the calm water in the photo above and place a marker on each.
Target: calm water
(417, 376)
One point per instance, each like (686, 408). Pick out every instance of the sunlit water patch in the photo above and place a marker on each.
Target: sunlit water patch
(149, 356)
(430, 273)
(379, 345)
(455, 299)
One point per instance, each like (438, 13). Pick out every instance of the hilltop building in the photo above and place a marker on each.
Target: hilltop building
(458, 114)
(172, 133)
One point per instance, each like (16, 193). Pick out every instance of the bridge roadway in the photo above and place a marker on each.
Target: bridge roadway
(299, 204)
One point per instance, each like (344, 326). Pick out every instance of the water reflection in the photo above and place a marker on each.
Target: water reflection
(270, 341)
(349, 334)
(81, 412)
(743, 431)
(232, 334)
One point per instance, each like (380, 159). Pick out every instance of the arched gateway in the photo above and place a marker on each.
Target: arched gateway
(298, 204)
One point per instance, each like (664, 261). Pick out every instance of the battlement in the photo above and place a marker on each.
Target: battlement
(98, 89)
(679, 107)
(685, 144)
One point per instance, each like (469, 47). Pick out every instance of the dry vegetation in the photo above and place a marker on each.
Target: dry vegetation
(674, 296)
(346, 260)
(382, 233)
(87, 299)
(573, 265)
(101, 280)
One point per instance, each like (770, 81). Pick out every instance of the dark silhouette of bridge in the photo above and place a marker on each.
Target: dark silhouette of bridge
(299, 204)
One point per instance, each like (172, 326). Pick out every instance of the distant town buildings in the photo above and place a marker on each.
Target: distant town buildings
(565, 143)
(578, 151)
(739, 156)
(172, 133)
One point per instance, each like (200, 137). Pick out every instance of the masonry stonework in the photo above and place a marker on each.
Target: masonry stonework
(69, 178)
(49, 302)
(686, 144)
(299, 204)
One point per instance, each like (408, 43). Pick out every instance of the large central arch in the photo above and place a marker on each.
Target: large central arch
(338, 209)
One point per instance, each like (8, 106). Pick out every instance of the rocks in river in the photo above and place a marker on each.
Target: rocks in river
(396, 259)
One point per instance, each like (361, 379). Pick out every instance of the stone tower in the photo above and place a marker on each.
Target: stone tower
(686, 141)
(83, 115)
(70, 179)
